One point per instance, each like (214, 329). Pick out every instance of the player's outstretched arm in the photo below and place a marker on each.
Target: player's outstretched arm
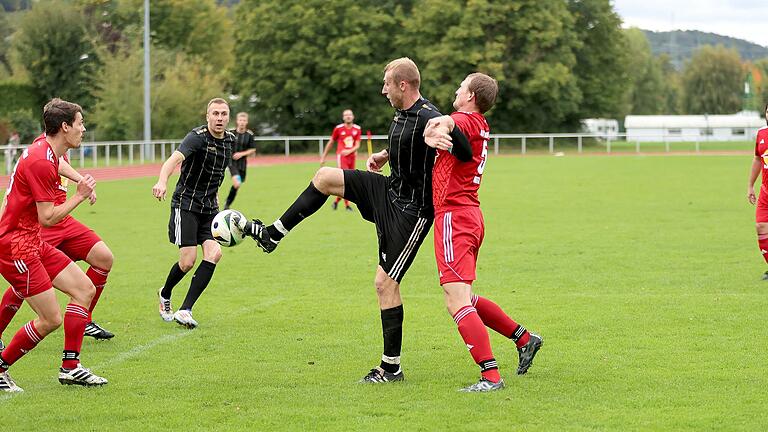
(49, 215)
(159, 189)
(757, 166)
(442, 133)
(325, 152)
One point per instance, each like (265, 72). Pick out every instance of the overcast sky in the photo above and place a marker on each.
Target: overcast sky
(743, 19)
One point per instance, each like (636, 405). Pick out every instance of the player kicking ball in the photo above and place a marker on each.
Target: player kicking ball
(459, 229)
(203, 154)
(79, 243)
(31, 265)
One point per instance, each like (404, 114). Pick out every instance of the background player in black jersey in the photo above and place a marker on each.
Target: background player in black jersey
(204, 154)
(400, 205)
(244, 147)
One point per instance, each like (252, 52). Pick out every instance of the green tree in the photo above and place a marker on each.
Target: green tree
(303, 62)
(527, 45)
(60, 59)
(176, 105)
(671, 84)
(762, 81)
(601, 61)
(713, 81)
(645, 81)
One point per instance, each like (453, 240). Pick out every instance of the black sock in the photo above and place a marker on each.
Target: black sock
(310, 201)
(392, 328)
(200, 280)
(230, 197)
(174, 276)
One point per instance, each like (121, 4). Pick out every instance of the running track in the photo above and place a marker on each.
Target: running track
(152, 170)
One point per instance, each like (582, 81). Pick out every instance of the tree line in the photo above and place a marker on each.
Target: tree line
(294, 65)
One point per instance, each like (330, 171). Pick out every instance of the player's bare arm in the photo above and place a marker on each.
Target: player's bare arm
(377, 161)
(352, 150)
(757, 165)
(159, 189)
(325, 151)
(66, 170)
(243, 154)
(49, 215)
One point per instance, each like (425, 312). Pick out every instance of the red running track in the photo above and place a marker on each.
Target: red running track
(152, 170)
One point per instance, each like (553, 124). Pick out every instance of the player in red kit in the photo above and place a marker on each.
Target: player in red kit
(347, 136)
(79, 243)
(31, 265)
(461, 140)
(760, 164)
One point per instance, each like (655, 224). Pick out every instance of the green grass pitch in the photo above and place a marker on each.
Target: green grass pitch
(641, 273)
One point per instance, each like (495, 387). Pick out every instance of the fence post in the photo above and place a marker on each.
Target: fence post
(119, 154)
(637, 146)
(698, 148)
(579, 144)
(94, 155)
(609, 145)
(143, 150)
(82, 156)
(320, 147)
(106, 153)
(551, 144)
(162, 151)
(522, 146)
(496, 146)
(287, 148)
(130, 154)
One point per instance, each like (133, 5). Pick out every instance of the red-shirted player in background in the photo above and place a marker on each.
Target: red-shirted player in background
(760, 163)
(31, 265)
(347, 136)
(462, 143)
(79, 243)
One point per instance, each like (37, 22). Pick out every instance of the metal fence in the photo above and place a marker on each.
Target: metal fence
(119, 153)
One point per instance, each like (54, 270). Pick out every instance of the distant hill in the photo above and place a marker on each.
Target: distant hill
(680, 44)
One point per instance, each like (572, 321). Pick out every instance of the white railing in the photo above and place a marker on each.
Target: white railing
(118, 153)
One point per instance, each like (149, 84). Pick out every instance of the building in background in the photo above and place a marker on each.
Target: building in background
(742, 126)
(602, 127)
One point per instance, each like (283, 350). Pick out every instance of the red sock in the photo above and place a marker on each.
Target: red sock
(99, 278)
(337, 200)
(23, 341)
(75, 319)
(8, 307)
(476, 337)
(762, 241)
(495, 318)
(346, 203)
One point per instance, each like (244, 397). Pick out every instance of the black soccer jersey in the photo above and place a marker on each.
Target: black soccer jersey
(243, 141)
(411, 160)
(202, 171)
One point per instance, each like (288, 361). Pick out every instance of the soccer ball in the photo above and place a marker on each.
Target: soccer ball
(228, 227)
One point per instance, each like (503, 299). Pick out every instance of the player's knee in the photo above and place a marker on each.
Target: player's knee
(186, 264)
(323, 179)
(762, 228)
(49, 324)
(85, 293)
(213, 256)
(105, 258)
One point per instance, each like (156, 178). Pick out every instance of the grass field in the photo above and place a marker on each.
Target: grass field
(641, 273)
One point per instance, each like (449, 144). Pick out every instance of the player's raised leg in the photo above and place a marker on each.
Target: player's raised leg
(200, 281)
(100, 259)
(73, 282)
(391, 307)
(327, 181)
(528, 344)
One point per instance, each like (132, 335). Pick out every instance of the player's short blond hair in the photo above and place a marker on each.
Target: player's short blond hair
(404, 69)
(216, 101)
(242, 114)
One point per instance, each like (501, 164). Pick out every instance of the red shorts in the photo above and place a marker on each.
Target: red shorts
(762, 207)
(32, 276)
(345, 162)
(458, 236)
(71, 237)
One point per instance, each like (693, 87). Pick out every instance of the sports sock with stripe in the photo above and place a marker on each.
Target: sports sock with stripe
(310, 201)
(23, 341)
(495, 318)
(75, 319)
(8, 307)
(392, 330)
(476, 338)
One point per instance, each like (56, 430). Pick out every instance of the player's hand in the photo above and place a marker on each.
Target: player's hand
(751, 195)
(437, 138)
(92, 198)
(237, 156)
(158, 191)
(322, 162)
(372, 164)
(85, 186)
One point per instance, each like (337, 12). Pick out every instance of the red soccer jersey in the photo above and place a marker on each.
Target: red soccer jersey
(346, 137)
(455, 183)
(61, 192)
(35, 179)
(761, 150)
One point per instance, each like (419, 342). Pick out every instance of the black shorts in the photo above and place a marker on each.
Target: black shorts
(240, 169)
(399, 233)
(188, 228)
